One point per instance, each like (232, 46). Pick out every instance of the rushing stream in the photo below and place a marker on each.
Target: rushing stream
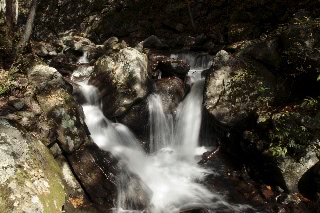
(169, 178)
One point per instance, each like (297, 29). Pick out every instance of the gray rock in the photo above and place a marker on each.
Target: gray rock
(44, 49)
(76, 197)
(122, 80)
(44, 77)
(237, 87)
(152, 42)
(29, 176)
(110, 43)
(58, 106)
(78, 43)
(18, 105)
(292, 170)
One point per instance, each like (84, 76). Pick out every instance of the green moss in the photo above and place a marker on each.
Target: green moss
(4, 88)
(54, 200)
(5, 202)
(289, 135)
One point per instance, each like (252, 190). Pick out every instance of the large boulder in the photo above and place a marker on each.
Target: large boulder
(60, 112)
(240, 96)
(287, 141)
(62, 128)
(122, 80)
(237, 88)
(294, 137)
(30, 179)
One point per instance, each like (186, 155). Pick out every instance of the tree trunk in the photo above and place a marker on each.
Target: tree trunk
(191, 17)
(29, 25)
(6, 27)
(9, 15)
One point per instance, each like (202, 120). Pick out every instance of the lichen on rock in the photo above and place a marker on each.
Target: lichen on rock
(122, 80)
(30, 178)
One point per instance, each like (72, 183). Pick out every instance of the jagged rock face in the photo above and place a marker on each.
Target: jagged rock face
(236, 88)
(29, 176)
(122, 80)
(292, 171)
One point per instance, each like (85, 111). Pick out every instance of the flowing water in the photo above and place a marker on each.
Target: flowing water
(197, 61)
(168, 179)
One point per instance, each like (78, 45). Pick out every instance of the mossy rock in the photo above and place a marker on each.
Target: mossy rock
(30, 178)
(65, 117)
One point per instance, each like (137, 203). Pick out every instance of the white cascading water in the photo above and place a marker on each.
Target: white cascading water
(169, 177)
(161, 125)
(198, 62)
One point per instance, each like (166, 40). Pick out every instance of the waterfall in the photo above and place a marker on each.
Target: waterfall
(168, 180)
(84, 58)
(83, 70)
(161, 125)
(198, 63)
(189, 121)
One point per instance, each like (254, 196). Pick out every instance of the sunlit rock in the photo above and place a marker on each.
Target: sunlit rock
(122, 80)
(58, 105)
(29, 176)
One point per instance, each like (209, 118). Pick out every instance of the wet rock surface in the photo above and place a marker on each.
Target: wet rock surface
(137, 119)
(171, 91)
(232, 176)
(96, 171)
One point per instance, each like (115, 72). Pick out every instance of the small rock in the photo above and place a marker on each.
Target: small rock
(18, 105)
(152, 42)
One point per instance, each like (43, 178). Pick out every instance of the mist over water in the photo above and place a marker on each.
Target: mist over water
(168, 179)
